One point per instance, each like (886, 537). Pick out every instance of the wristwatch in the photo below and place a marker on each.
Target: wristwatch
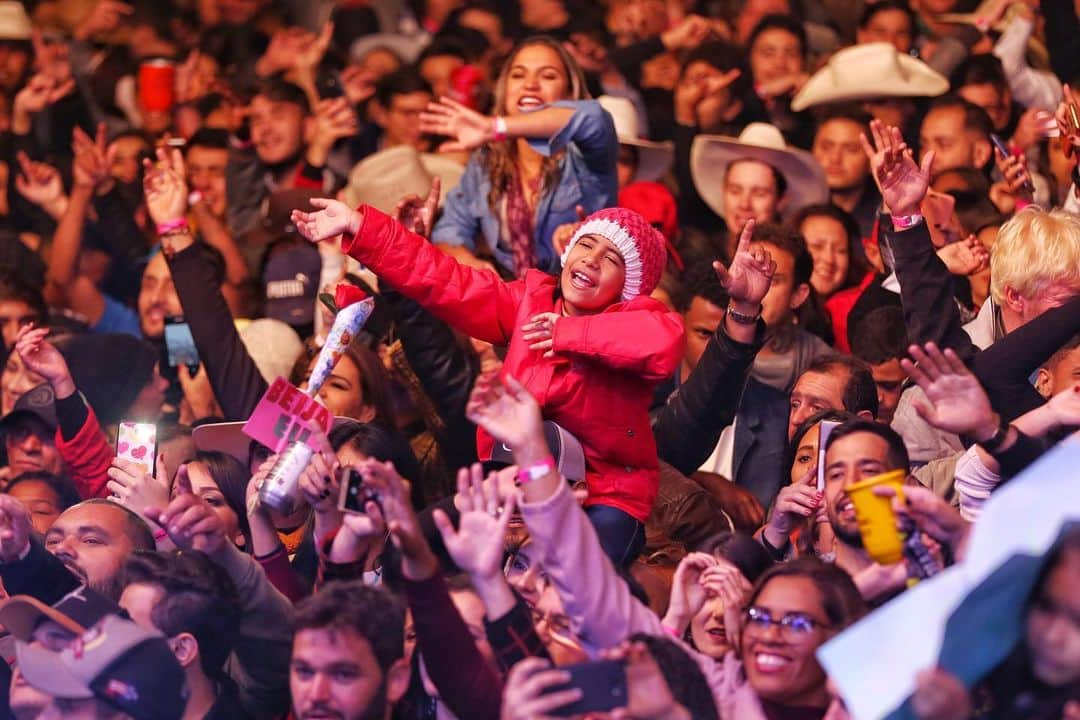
(995, 441)
(743, 318)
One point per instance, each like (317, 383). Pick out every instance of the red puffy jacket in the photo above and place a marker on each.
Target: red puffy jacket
(599, 383)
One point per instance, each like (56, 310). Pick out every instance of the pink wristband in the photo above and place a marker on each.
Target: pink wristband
(160, 535)
(535, 472)
(167, 227)
(672, 632)
(499, 123)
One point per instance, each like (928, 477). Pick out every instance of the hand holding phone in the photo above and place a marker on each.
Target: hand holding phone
(1006, 155)
(137, 443)
(602, 685)
(825, 429)
(355, 495)
(180, 344)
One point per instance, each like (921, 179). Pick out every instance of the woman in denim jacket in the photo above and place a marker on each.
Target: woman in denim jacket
(518, 188)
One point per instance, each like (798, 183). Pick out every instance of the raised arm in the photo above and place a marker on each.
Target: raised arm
(469, 129)
(688, 427)
(260, 660)
(79, 437)
(600, 605)
(90, 171)
(467, 684)
(927, 288)
(474, 301)
(236, 380)
(1004, 367)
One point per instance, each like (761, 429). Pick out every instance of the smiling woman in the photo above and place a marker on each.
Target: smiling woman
(794, 608)
(547, 150)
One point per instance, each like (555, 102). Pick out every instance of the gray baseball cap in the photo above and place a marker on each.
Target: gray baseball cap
(116, 661)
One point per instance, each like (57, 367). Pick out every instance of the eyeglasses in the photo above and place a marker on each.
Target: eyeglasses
(794, 626)
(557, 624)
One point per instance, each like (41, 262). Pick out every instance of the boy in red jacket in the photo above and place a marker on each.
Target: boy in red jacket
(589, 345)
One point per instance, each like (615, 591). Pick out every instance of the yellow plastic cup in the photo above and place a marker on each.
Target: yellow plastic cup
(877, 521)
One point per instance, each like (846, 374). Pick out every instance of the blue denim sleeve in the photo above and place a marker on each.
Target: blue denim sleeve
(458, 224)
(118, 318)
(592, 132)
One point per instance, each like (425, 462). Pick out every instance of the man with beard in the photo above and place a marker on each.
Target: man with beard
(857, 450)
(91, 543)
(348, 654)
(87, 544)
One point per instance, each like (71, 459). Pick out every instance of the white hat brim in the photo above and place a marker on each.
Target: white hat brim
(920, 81)
(710, 156)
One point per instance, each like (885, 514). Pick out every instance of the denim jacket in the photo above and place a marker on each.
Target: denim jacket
(587, 178)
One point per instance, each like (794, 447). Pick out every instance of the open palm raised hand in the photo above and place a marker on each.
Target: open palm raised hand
(466, 128)
(477, 545)
(957, 402)
(902, 182)
(505, 409)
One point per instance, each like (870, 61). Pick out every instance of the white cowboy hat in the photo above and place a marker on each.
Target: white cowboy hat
(14, 22)
(380, 180)
(871, 70)
(406, 48)
(710, 156)
(654, 158)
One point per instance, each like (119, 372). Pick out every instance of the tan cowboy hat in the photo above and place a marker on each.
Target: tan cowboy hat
(654, 158)
(871, 70)
(710, 156)
(14, 22)
(380, 180)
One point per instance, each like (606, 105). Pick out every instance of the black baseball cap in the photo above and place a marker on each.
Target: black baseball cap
(38, 403)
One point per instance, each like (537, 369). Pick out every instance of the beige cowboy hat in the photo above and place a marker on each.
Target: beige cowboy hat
(382, 179)
(710, 156)
(654, 158)
(14, 22)
(871, 70)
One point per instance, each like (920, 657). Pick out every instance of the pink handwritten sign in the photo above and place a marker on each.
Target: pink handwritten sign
(284, 415)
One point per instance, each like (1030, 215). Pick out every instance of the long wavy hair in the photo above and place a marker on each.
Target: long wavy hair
(500, 160)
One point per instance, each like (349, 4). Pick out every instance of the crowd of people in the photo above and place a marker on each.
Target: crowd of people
(658, 285)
